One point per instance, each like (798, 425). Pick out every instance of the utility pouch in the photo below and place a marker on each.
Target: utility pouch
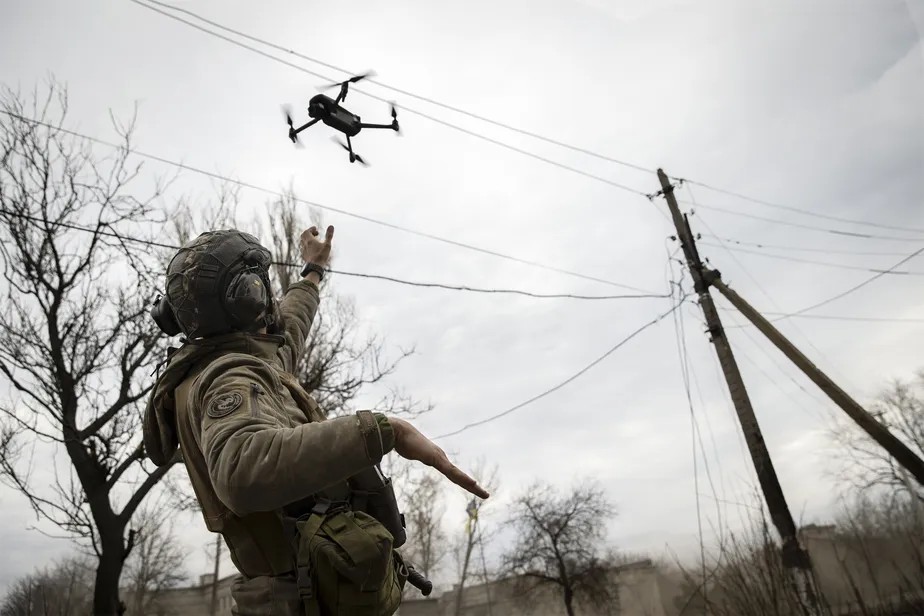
(373, 493)
(347, 564)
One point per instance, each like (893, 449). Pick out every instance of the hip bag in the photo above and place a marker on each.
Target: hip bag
(347, 563)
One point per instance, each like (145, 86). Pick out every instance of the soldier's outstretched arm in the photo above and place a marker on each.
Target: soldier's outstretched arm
(411, 444)
(257, 459)
(300, 304)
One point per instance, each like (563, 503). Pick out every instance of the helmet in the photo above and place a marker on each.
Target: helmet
(216, 284)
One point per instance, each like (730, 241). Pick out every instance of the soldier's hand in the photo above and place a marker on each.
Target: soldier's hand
(411, 444)
(315, 250)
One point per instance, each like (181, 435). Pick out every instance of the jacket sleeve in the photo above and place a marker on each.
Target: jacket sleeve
(298, 309)
(258, 461)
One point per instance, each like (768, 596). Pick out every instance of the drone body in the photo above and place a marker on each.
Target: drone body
(327, 110)
(322, 108)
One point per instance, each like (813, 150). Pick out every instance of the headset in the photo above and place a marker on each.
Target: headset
(163, 315)
(245, 298)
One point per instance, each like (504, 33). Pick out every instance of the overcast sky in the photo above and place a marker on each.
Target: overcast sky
(815, 105)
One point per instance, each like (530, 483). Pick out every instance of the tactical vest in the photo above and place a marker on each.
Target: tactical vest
(343, 558)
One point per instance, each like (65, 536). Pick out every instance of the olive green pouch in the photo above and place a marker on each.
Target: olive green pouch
(347, 564)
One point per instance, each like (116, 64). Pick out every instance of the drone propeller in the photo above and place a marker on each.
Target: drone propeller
(292, 135)
(350, 80)
(394, 118)
(353, 155)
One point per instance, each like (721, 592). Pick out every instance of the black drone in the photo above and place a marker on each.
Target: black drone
(322, 108)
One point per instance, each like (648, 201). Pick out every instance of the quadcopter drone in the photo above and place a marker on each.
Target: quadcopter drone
(322, 108)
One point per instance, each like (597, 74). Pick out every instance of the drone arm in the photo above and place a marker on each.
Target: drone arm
(363, 125)
(343, 92)
(306, 125)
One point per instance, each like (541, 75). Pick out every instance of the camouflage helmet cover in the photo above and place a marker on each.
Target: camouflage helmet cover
(219, 283)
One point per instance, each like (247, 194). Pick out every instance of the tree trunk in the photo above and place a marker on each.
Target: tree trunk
(569, 600)
(108, 573)
(468, 555)
(213, 608)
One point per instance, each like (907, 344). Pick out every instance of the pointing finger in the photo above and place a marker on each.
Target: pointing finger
(458, 477)
(330, 234)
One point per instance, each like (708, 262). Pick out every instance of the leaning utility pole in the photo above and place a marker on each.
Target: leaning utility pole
(795, 558)
(875, 429)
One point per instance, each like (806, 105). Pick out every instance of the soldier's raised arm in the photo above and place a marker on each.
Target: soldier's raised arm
(300, 303)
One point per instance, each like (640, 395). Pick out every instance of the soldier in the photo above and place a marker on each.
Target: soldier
(255, 444)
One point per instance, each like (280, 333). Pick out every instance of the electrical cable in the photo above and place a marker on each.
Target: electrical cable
(776, 364)
(129, 238)
(728, 240)
(419, 97)
(403, 108)
(852, 289)
(694, 431)
(321, 206)
(803, 211)
(499, 124)
(148, 4)
(855, 268)
(571, 378)
(786, 223)
(757, 284)
(830, 317)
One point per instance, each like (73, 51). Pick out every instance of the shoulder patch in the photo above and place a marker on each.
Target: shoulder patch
(224, 404)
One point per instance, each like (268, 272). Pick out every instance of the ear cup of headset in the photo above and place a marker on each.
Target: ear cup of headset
(247, 298)
(163, 316)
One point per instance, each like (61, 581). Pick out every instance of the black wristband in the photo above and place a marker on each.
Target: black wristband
(313, 267)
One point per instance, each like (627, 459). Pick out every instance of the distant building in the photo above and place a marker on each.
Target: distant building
(188, 601)
(643, 591)
(854, 576)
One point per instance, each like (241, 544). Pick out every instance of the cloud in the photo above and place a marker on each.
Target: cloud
(814, 106)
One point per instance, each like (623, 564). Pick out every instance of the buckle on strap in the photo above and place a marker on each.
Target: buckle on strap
(325, 507)
(303, 582)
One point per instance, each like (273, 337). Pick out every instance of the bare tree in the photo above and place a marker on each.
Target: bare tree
(900, 407)
(424, 510)
(560, 546)
(156, 563)
(76, 342)
(66, 589)
(470, 543)
(339, 361)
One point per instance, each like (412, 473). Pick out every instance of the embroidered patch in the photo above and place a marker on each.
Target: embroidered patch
(224, 405)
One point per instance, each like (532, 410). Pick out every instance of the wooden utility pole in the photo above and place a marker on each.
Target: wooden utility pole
(877, 431)
(794, 557)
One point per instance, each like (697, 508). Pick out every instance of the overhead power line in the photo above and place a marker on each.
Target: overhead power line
(148, 4)
(857, 268)
(419, 97)
(137, 240)
(439, 285)
(787, 223)
(403, 107)
(832, 317)
(853, 288)
(859, 253)
(570, 379)
(321, 206)
(804, 211)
